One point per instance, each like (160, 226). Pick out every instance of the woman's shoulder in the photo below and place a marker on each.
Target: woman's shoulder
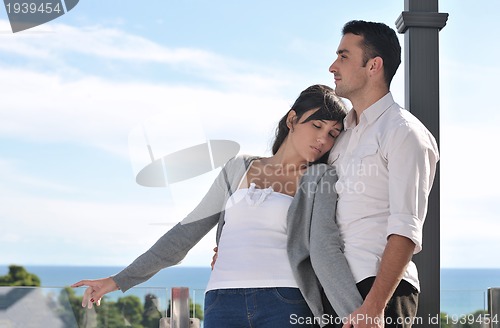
(242, 158)
(320, 170)
(239, 162)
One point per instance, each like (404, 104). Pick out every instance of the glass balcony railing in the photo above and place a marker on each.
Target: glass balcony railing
(144, 307)
(38, 307)
(465, 309)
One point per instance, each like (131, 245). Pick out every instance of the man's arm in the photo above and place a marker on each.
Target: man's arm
(397, 255)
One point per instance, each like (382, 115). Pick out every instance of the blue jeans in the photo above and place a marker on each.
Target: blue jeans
(256, 308)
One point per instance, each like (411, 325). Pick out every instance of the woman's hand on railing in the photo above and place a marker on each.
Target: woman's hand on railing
(96, 290)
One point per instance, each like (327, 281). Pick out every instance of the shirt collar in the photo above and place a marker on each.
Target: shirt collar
(371, 113)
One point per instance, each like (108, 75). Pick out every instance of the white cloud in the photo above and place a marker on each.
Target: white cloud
(466, 92)
(469, 196)
(99, 111)
(58, 39)
(470, 161)
(60, 44)
(469, 173)
(11, 176)
(91, 230)
(58, 106)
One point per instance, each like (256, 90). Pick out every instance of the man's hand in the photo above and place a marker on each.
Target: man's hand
(214, 258)
(366, 316)
(397, 255)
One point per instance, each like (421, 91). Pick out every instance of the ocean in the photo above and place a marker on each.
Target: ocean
(463, 291)
(60, 276)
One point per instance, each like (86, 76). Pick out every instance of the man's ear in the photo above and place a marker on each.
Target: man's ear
(376, 65)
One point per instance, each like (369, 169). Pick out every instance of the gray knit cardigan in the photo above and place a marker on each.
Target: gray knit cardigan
(314, 245)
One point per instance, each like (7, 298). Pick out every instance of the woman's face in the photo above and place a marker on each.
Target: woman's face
(312, 139)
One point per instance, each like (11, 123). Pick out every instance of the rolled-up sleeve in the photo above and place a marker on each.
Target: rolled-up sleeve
(412, 158)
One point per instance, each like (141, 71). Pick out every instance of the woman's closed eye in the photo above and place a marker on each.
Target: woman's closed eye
(333, 134)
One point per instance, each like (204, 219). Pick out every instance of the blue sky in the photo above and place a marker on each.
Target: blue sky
(77, 94)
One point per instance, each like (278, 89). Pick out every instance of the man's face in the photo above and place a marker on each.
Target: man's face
(349, 74)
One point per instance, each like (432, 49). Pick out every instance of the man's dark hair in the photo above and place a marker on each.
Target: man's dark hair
(379, 40)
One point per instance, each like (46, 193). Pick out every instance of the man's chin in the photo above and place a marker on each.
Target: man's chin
(339, 92)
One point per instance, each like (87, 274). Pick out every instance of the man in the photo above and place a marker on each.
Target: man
(386, 161)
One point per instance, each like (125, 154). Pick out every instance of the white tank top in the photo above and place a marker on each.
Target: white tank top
(252, 250)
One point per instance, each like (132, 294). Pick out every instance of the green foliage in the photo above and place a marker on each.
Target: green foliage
(197, 312)
(18, 276)
(151, 316)
(109, 315)
(70, 306)
(197, 309)
(125, 312)
(473, 320)
(131, 309)
(444, 321)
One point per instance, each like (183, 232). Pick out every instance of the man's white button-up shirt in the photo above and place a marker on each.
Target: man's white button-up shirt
(386, 165)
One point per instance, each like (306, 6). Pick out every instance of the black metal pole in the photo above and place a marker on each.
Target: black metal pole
(421, 23)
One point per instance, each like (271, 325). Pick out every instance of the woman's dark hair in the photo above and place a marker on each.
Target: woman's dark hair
(330, 108)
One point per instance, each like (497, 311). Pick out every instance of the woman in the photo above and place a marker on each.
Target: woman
(266, 208)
